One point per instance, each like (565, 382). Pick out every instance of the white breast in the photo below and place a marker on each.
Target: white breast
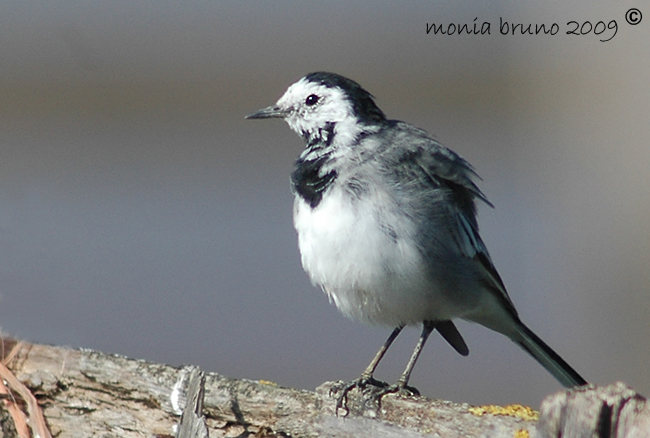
(371, 274)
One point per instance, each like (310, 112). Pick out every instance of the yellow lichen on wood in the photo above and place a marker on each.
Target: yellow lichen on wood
(524, 412)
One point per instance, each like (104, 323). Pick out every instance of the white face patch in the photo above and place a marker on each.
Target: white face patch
(331, 106)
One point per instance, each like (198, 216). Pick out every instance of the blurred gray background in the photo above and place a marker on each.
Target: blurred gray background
(141, 214)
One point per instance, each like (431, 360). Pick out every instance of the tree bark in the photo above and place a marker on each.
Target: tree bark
(85, 393)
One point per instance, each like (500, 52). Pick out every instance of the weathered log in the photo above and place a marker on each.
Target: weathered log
(614, 411)
(192, 421)
(85, 393)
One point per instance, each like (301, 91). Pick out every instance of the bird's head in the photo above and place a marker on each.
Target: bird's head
(325, 102)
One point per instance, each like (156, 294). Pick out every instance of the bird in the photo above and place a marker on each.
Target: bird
(387, 228)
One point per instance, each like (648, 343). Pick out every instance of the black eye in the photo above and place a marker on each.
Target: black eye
(311, 100)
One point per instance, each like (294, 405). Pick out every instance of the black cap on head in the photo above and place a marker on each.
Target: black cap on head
(363, 102)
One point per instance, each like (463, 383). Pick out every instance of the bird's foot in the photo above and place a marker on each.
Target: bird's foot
(398, 388)
(365, 384)
(372, 391)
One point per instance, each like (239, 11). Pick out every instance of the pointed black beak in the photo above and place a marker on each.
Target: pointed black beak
(268, 113)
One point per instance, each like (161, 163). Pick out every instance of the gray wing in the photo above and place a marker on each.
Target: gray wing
(449, 182)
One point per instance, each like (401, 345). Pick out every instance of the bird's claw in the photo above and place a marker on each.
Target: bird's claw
(373, 391)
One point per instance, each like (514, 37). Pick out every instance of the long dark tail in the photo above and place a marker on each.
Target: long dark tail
(548, 358)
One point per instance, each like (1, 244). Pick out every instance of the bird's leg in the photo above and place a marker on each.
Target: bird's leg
(370, 370)
(381, 388)
(366, 377)
(427, 328)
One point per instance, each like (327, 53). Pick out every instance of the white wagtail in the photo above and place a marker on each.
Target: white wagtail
(386, 222)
